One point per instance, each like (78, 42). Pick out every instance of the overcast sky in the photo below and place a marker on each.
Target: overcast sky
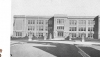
(51, 7)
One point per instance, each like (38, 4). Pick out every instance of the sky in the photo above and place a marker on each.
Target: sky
(51, 7)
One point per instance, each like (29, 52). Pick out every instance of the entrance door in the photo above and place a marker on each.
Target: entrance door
(60, 33)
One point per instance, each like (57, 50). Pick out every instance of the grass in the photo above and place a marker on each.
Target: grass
(91, 51)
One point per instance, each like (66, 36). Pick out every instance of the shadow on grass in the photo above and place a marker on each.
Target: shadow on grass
(61, 50)
(91, 51)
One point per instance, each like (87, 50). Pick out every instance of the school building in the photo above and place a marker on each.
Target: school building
(58, 26)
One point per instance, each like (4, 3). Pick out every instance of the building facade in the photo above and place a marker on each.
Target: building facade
(64, 26)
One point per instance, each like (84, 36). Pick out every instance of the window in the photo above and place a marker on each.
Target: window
(31, 21)
(46, 21)
(90, 28)
(18, 33)
(31, 27)
(73, 29)
(73, 22)
(30, 33)
(46, 34)
(73, 35)
(60, 33)
(90, 22)
(81, 34)
(39, 34)
(46, 28)
(28, 21)
(60, 27)
(82, 22)
(82, 28)
(90, 35)
(60, 21)
(39, 21)
(40, 28)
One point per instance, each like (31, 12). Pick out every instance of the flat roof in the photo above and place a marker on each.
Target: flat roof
(55, 16)
(81, 17)
(19, 16)
(38, 17)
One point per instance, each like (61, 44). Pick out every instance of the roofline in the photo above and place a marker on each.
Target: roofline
(32, 17)
(55, 16)
(38, 17)
(19, 16)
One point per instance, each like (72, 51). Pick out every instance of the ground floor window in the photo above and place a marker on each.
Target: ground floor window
(73, 35)
(81, 34)
(39, 34)
(60, 33)
(18, 33)
(72, 28)
(31, 32)
(90, 35)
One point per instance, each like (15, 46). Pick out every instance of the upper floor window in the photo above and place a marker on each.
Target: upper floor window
(40, 28)
(60, 21)
(46, 21)
(73, 22)
(82, 28)
(39, 34)
(72, 29)
(90, 28)
(40, 21)
(60, 27)
(82, 22)
(90, 22)
(31, 27)
(46, 28)
(31, 21)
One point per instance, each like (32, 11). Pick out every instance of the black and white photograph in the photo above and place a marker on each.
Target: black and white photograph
(55, 28)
